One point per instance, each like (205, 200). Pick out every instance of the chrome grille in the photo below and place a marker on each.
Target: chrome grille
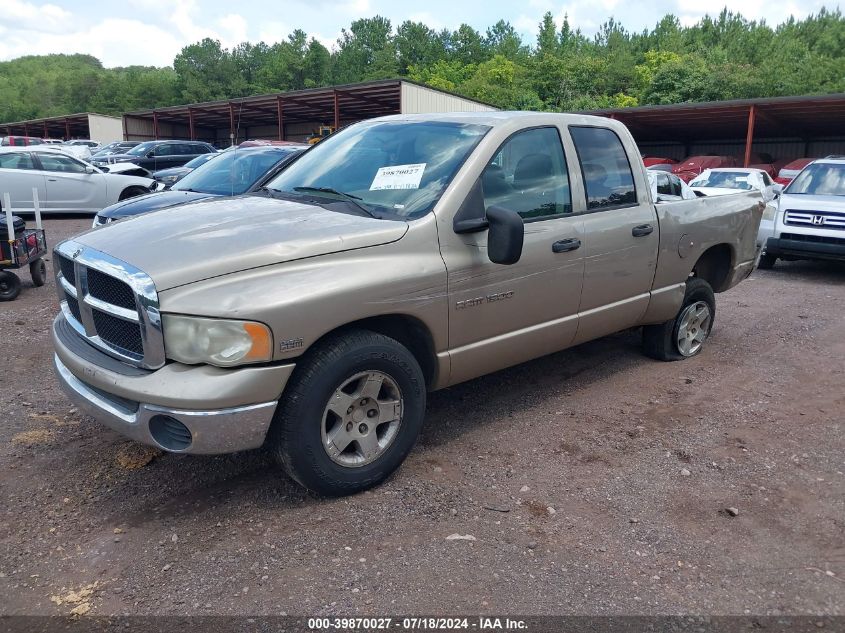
(111, 304)
(68, 273)
(116, 332)
(110, 290)
(819, 219)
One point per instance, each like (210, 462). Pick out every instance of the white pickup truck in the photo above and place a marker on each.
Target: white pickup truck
(399, 255)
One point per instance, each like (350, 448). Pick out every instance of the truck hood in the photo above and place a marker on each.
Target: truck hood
(805, 202)
(184, 244)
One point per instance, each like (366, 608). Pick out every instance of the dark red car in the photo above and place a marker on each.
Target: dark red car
(692, 166)
(21, 140)
(790, 170)
(650, 161)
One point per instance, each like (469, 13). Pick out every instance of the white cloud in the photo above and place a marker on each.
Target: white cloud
(44, 17)
(106, 40)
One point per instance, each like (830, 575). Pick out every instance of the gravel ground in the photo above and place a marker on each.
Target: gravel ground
(593, 481)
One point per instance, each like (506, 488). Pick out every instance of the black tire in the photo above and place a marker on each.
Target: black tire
(660, 341)
(10, 286)
(767, 262)
(38, 272)
(131, 192)
(296, 434)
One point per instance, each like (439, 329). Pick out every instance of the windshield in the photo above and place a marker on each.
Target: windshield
(232, 173)
(143, 148)
(398, 166)
(820, 179)
(200, 160)
(724, 180)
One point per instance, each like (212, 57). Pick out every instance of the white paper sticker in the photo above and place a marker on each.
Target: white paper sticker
(398, 177)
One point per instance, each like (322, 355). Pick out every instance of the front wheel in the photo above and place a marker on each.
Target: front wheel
(683, 336)
(767, 262)
(132, 192)
(350, 413)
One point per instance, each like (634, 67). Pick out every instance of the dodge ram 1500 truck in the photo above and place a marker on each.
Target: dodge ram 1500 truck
(400, 255)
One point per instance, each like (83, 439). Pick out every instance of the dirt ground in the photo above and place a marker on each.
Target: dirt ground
(593, 481)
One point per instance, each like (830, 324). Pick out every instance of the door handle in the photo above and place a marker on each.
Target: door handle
(564, 246)
(52, 179)
(642, 229)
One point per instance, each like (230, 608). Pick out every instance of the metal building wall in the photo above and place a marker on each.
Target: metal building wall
(104, 129)
(418, 99)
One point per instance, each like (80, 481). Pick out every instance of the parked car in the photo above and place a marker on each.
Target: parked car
(229, 174)
(667, 187)
(390, 259)
(93, 146)
(171, 176)
(260, 141)
(808, 221)
(65, 184)
(651, 161)
(117, 147)
(664, 167)
(719, 182)
(692, 166)
(156, 155)
(52, 141)
(792, 169)
(20, 141)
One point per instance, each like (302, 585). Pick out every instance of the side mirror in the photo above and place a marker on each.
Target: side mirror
(505, 235)
(89, 169)
(150, 154)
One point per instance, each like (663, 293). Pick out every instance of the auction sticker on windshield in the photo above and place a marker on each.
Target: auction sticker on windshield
(398, 177)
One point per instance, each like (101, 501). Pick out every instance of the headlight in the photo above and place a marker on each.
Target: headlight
(221, 342)
(770, 212)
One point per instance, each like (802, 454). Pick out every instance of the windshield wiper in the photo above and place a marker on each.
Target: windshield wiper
(346, 196)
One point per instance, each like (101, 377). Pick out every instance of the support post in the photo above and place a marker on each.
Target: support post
(232, 123)
(155, 125)
(67, 130)
(336, 110)
(191, 124)
(44, 125)
(123, 121)
(26, 129)
(749, 137)
(281, 118)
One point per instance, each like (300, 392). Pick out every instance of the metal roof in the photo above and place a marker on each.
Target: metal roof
(778, 117)
(356, 101)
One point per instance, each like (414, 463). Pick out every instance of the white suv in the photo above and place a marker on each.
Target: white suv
(808, 221)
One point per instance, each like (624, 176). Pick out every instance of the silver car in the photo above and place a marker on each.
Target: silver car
(65, 184)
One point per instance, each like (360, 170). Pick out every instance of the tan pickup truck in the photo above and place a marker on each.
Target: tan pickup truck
(400, 255)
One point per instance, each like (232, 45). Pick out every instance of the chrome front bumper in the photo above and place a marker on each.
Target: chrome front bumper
(212, 432)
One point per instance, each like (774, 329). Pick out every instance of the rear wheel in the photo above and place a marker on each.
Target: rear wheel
(767, 262)
(350, 414)
(10, 286)
(131, 192)
(38, 272)
(683, 336)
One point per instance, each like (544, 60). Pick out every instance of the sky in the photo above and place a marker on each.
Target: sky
(152, 32)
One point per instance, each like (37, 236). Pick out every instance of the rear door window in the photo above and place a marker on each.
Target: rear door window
(608, 178)
(16, 160)
(528, 175)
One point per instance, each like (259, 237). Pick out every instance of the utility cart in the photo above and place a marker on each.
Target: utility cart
(20, 247)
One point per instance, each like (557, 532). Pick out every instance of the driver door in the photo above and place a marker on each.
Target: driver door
(501, 315)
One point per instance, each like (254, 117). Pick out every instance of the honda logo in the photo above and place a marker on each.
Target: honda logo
(818, 219)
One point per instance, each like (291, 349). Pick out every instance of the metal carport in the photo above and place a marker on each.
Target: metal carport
(785, 127)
